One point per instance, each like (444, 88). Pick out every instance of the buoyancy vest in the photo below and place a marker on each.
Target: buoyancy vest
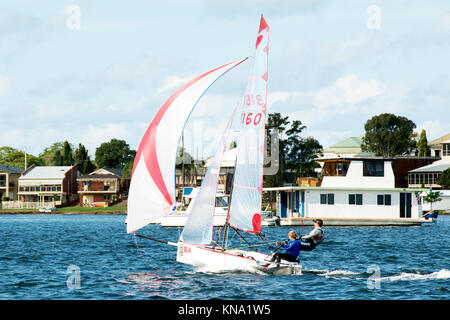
(318, 239)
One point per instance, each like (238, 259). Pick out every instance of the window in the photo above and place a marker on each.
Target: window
(384, 199)
(351, 199)
(446, 149)
(327, 198)
(331, 198)
(359, 199)
(355, 199)
(387, 199)
(373, 168)
(380, 200)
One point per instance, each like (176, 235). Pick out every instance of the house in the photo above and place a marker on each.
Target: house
(346, 148)
(352, 191)
(101, 186)
(428, 175)
(440, 147)
(44, 185)
(8, 181)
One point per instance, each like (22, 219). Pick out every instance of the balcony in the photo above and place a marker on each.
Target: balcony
(40, 189)
(104, 189)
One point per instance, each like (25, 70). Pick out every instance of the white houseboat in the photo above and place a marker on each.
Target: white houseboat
(352, 191)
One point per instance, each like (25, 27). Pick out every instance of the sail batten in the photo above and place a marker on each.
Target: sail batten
(152, 187)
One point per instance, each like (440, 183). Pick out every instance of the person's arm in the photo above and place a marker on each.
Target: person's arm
(313, 233)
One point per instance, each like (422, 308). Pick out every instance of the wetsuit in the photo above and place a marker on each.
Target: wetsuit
(313, 239)
(292, 251)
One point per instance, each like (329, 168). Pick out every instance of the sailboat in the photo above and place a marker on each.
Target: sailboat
(152, 187)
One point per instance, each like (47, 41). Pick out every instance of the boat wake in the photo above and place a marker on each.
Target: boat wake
(404, 276)
(342, 274)
(407, 276)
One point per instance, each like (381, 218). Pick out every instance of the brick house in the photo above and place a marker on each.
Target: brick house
(9, 185)
(101, 186)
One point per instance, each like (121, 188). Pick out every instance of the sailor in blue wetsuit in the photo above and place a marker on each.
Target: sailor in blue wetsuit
(292, 249)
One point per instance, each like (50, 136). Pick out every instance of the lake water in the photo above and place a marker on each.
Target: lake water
(92, 257)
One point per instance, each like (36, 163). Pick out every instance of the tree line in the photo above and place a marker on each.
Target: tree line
(113, 154)
(386, 135)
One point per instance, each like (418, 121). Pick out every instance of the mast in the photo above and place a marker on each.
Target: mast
(182, 165)
(227, 225)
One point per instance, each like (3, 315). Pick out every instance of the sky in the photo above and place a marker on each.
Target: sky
(89, 71)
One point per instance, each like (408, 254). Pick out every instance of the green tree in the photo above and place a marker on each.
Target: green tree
(83, 160)
(422, 145)
(444, 179)
(276, 125)
(13, 157)
(114, 154)
(301, 152)
(296, 154)
(431, 197)
(57, 159)
(127, 171)
(67, 154)
(49, 157)
(389, 135)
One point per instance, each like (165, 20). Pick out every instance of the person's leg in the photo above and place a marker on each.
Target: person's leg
(308, 246)
(286, 257)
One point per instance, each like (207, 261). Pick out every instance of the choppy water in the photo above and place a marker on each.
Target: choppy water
(92, 257)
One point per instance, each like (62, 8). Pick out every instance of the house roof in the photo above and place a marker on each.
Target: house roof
(437, 166)
(10, 169)
(107, 171)
(104, 173)
(46, 172)
(99, 176)
(443, 139)
(352, 142)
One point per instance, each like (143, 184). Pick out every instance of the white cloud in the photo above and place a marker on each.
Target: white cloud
(96, 134)
(4, 85)
(281, 96)
(434, 128)
(348, 90)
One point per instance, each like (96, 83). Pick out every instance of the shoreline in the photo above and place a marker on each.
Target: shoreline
(65, 212)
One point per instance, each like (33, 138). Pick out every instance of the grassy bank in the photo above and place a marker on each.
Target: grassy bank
(72, 210)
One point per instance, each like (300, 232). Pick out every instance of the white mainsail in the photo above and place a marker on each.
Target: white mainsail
(246, 199)
(199, 225)
(152, 187)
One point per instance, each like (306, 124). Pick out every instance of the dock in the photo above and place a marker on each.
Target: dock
(353, 222)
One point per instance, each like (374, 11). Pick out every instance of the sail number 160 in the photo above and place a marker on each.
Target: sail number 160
(250, 118)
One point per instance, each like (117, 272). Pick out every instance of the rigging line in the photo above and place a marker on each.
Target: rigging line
(156, 268)
(135, 240)
(264, 239)
(240, 235)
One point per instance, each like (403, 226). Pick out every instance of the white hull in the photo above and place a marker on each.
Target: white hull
(356, 222)
(233, 260)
